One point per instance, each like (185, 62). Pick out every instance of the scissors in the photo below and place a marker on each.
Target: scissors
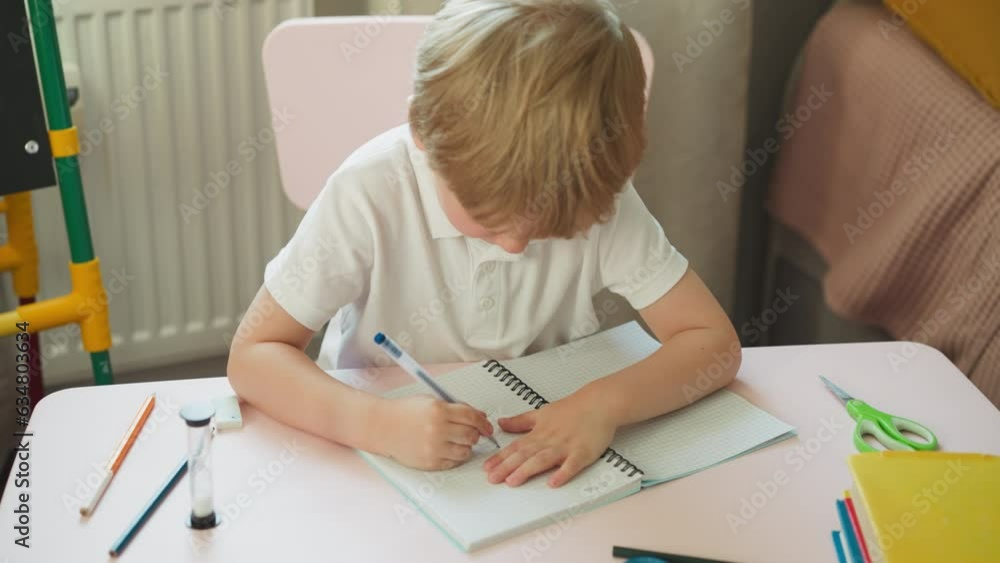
(885, 428)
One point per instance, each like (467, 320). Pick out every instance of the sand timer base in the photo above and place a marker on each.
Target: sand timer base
(203, 522)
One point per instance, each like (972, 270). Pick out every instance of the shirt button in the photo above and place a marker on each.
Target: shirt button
(486, 303)
(489, 267)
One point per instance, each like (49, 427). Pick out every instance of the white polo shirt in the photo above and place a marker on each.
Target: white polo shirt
(376, 253)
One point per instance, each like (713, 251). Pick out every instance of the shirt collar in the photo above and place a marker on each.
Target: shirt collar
(483, 251)
(438, 223)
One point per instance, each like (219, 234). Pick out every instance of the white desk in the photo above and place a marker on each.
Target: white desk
(293, 497)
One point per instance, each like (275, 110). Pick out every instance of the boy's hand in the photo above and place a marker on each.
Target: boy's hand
(571, 433)
(427, 433)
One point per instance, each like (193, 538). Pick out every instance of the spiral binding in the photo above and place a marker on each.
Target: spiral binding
(620, 462)
(514, 383)
(523, 390)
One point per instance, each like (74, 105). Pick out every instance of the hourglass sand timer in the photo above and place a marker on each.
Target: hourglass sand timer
(198, 417)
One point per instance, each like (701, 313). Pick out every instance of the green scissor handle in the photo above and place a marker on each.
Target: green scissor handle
(887, 429)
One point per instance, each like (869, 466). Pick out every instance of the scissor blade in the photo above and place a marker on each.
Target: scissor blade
(840, 393)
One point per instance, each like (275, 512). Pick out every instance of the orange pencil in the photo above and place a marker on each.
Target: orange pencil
(115, 461)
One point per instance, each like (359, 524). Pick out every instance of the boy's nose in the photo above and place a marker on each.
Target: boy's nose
(511, 245)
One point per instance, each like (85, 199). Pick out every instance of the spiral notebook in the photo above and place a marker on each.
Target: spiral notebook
(474, 513)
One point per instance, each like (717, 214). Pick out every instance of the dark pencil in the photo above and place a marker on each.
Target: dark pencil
(626, 552)
(150, 508)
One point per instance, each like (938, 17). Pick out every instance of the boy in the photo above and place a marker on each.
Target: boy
(483, 228)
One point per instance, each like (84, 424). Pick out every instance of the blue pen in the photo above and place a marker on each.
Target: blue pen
(413, 368)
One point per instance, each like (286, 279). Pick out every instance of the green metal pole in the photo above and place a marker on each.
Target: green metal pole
(100, 362)
(50, 73)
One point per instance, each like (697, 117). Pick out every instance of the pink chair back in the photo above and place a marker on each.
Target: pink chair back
(339, 82)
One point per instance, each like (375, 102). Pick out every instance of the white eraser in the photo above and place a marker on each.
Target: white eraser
(227, 413)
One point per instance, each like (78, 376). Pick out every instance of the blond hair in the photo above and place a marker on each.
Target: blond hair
(532, 111)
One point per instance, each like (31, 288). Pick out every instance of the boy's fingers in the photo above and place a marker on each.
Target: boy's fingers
(569, 468)
(498, 457)
(462, 434)
(456, 452)
(504, 468)
(541, 461)
(464, 414)
(519, 423)
(523, 450)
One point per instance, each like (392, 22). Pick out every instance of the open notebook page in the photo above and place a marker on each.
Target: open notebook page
(475, 513)
(718, 427)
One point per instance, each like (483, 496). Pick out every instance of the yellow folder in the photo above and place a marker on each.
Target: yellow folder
(932, 507)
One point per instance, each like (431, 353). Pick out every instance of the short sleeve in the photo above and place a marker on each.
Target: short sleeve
(327, 263)
(636, 259)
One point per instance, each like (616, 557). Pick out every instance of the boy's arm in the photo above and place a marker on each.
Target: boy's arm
(695, 333)
(699, 344)
(269, 368)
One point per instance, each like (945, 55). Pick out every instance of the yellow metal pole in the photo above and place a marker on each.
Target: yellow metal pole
(8, 321)
(87, 305)
(21, 232)
(20, 256)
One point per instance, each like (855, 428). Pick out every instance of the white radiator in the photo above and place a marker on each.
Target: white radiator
(179, 173)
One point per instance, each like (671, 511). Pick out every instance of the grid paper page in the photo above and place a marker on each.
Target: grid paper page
(710, 431)
(475, 513)
(558, 372)
(720, 426)
(476, 386)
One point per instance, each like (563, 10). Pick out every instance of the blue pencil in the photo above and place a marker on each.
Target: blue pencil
(150, 508)
(839, 547)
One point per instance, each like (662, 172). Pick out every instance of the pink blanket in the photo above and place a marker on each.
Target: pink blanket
(895, 179)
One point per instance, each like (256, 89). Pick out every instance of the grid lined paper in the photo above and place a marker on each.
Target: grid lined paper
(710, 431)
(476, 513)
(714, 429)
(719, 427)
